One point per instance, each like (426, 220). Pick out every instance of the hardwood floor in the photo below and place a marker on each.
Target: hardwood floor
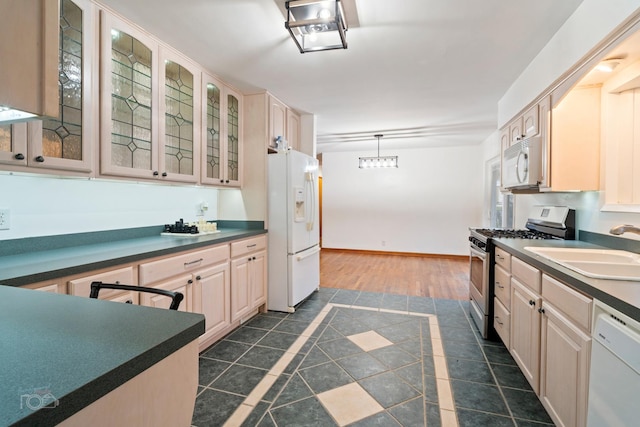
(414, 275)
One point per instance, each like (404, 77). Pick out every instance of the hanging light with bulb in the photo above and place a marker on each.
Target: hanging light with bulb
(378, 162)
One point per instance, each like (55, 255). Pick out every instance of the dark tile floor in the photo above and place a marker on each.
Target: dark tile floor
(488, 388)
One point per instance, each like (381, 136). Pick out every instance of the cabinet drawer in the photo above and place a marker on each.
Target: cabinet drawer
(82, 286)
(503, 259)
(572, 303)
(155, 271)
(528, 275)
(248, 245)
(501, 321)
(503, 286)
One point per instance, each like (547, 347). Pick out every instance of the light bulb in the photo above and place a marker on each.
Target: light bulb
(324, 14)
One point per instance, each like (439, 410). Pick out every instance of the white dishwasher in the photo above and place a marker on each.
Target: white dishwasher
(614, 380)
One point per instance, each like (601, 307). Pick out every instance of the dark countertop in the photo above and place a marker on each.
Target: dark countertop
(36, 265)
(78, 349)
(619, 294)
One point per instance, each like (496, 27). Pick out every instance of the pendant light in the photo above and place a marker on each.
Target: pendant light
(378, 162)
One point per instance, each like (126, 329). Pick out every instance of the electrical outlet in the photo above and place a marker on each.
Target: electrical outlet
(4, 219)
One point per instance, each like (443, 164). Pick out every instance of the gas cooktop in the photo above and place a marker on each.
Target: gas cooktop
(516, 234)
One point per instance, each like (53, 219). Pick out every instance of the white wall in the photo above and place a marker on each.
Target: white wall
(45, 205)
(424, 206)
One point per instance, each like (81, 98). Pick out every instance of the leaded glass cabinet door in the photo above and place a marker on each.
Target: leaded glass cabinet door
(233, 156)
(129, 101)
(212, 168)
(65, 142)
(179, 124)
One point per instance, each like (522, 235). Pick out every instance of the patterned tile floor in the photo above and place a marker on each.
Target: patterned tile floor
(363, 359)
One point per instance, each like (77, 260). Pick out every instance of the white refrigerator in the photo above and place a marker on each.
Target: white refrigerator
(293, 225)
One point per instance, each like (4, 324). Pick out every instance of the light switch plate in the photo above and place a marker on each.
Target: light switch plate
(5, 219)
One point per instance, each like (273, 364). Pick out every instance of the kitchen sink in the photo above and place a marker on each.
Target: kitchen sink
(597, 263)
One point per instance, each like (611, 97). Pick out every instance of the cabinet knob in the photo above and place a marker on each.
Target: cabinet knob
(254, 258)
(19, 156)
(227, 181)
(532, 302)
(198, 278)
(164, 174)
(222, 181)
(39, 159)
(249, 259)
(541, 310)
(155, 173)
(189, 281)
(129, 301)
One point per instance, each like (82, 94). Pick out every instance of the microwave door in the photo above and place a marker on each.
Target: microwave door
(522, 166)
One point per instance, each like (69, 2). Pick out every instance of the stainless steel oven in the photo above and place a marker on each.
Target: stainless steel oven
(545, 222)
(479, 269)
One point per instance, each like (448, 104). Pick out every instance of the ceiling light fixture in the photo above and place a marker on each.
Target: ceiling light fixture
(608, 65)
(316, 25)
(378, 162)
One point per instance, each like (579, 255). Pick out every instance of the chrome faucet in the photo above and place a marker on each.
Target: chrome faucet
(620, 229)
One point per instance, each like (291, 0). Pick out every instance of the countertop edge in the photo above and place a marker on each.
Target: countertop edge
(174, 245)
(575, 280)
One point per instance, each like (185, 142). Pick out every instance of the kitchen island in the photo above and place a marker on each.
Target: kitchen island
(74, 360)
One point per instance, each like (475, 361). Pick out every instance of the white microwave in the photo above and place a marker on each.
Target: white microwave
(522, 165)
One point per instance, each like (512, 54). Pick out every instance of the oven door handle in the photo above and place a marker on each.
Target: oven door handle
(479, 254)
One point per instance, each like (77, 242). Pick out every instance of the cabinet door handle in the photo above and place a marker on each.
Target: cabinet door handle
(499, 321)
(193, 262)
(541, 310)
(532, 302)
(19, 156)
(252, 246)
(39, 159)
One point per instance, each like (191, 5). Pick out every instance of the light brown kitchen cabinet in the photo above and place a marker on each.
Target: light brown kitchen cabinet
(502, 299)
(222, 134)
(212, 297)
(525, 331)
(179, 117)
(565, 351)
(572, 141)
(182, 284)
(29, 43)
(64, 141)
(550, 340)
(129, 103)
(525, 319)
(125, 275)
(248, 276)
(55, 286)
(150, 107)
(293, 129)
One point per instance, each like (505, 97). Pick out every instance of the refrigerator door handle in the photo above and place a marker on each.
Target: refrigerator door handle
(307, 254)
(311, 190)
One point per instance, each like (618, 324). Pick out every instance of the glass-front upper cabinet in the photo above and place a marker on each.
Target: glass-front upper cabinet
(62, 143)
(129, 100)
(222, 134)
(149, 127)
(180, 124)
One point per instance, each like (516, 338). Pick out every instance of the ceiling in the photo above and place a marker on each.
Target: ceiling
(421, 72)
